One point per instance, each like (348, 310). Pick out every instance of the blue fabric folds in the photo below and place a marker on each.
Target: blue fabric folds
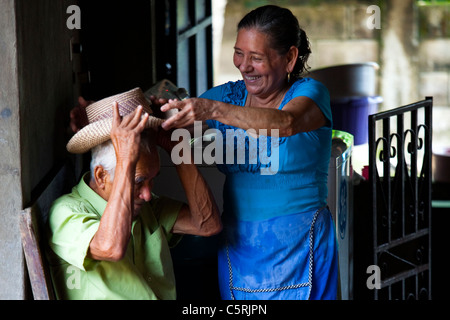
(291, 257)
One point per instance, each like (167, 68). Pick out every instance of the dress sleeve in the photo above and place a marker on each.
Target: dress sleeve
(317, 92)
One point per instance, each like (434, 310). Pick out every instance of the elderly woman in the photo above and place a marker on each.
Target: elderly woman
(279, 240)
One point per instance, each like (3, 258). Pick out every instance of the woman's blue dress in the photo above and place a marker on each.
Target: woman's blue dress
(279, 238)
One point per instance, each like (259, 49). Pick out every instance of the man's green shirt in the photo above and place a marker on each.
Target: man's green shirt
(146, 271)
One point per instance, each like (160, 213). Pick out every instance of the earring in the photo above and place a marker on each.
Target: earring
(289, 77)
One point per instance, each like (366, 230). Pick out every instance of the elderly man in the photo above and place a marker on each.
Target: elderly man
(110, 237)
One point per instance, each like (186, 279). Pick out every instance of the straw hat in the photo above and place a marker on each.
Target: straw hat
(100, 116)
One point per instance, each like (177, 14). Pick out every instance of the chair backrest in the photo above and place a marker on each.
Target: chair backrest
(32, 223)
(36, 264)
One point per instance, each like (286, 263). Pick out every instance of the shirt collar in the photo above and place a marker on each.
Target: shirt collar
(97, 202)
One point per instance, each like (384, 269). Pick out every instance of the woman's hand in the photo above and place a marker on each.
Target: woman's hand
(126, 134)
(190, 110)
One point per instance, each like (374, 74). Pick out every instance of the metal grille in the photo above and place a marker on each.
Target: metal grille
(400, 150)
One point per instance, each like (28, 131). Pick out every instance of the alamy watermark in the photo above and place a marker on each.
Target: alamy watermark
(241, 147)
(374, 21)
(374, 280)
(74, 20)
(73, 281)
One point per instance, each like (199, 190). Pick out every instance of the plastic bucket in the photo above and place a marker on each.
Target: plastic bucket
(441, 164)
(352, 115)
(349, 80)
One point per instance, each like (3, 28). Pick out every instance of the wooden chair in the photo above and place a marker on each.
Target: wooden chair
(36, 264)
(32, 223)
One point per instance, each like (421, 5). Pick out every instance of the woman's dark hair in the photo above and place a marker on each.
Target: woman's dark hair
(283, 29)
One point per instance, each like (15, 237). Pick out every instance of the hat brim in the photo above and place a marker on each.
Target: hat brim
(99, 132)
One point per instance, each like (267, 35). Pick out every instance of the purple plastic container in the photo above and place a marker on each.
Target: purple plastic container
(352, 115)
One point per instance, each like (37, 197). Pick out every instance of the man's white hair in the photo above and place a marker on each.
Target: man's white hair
(105, 155)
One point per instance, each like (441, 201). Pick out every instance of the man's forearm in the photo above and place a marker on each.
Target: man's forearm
(111, 240)
(204, 215)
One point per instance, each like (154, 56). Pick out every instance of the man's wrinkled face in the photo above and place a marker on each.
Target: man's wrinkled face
(147, 168)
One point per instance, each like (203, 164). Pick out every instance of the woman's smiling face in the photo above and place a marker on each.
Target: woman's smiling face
(263, 69)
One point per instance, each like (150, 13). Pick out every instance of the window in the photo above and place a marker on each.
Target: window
(183, 43)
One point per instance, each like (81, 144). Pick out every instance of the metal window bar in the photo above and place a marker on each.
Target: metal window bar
(194, 45)
(401, 199)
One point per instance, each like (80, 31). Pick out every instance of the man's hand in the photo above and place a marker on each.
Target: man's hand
(126, 134)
